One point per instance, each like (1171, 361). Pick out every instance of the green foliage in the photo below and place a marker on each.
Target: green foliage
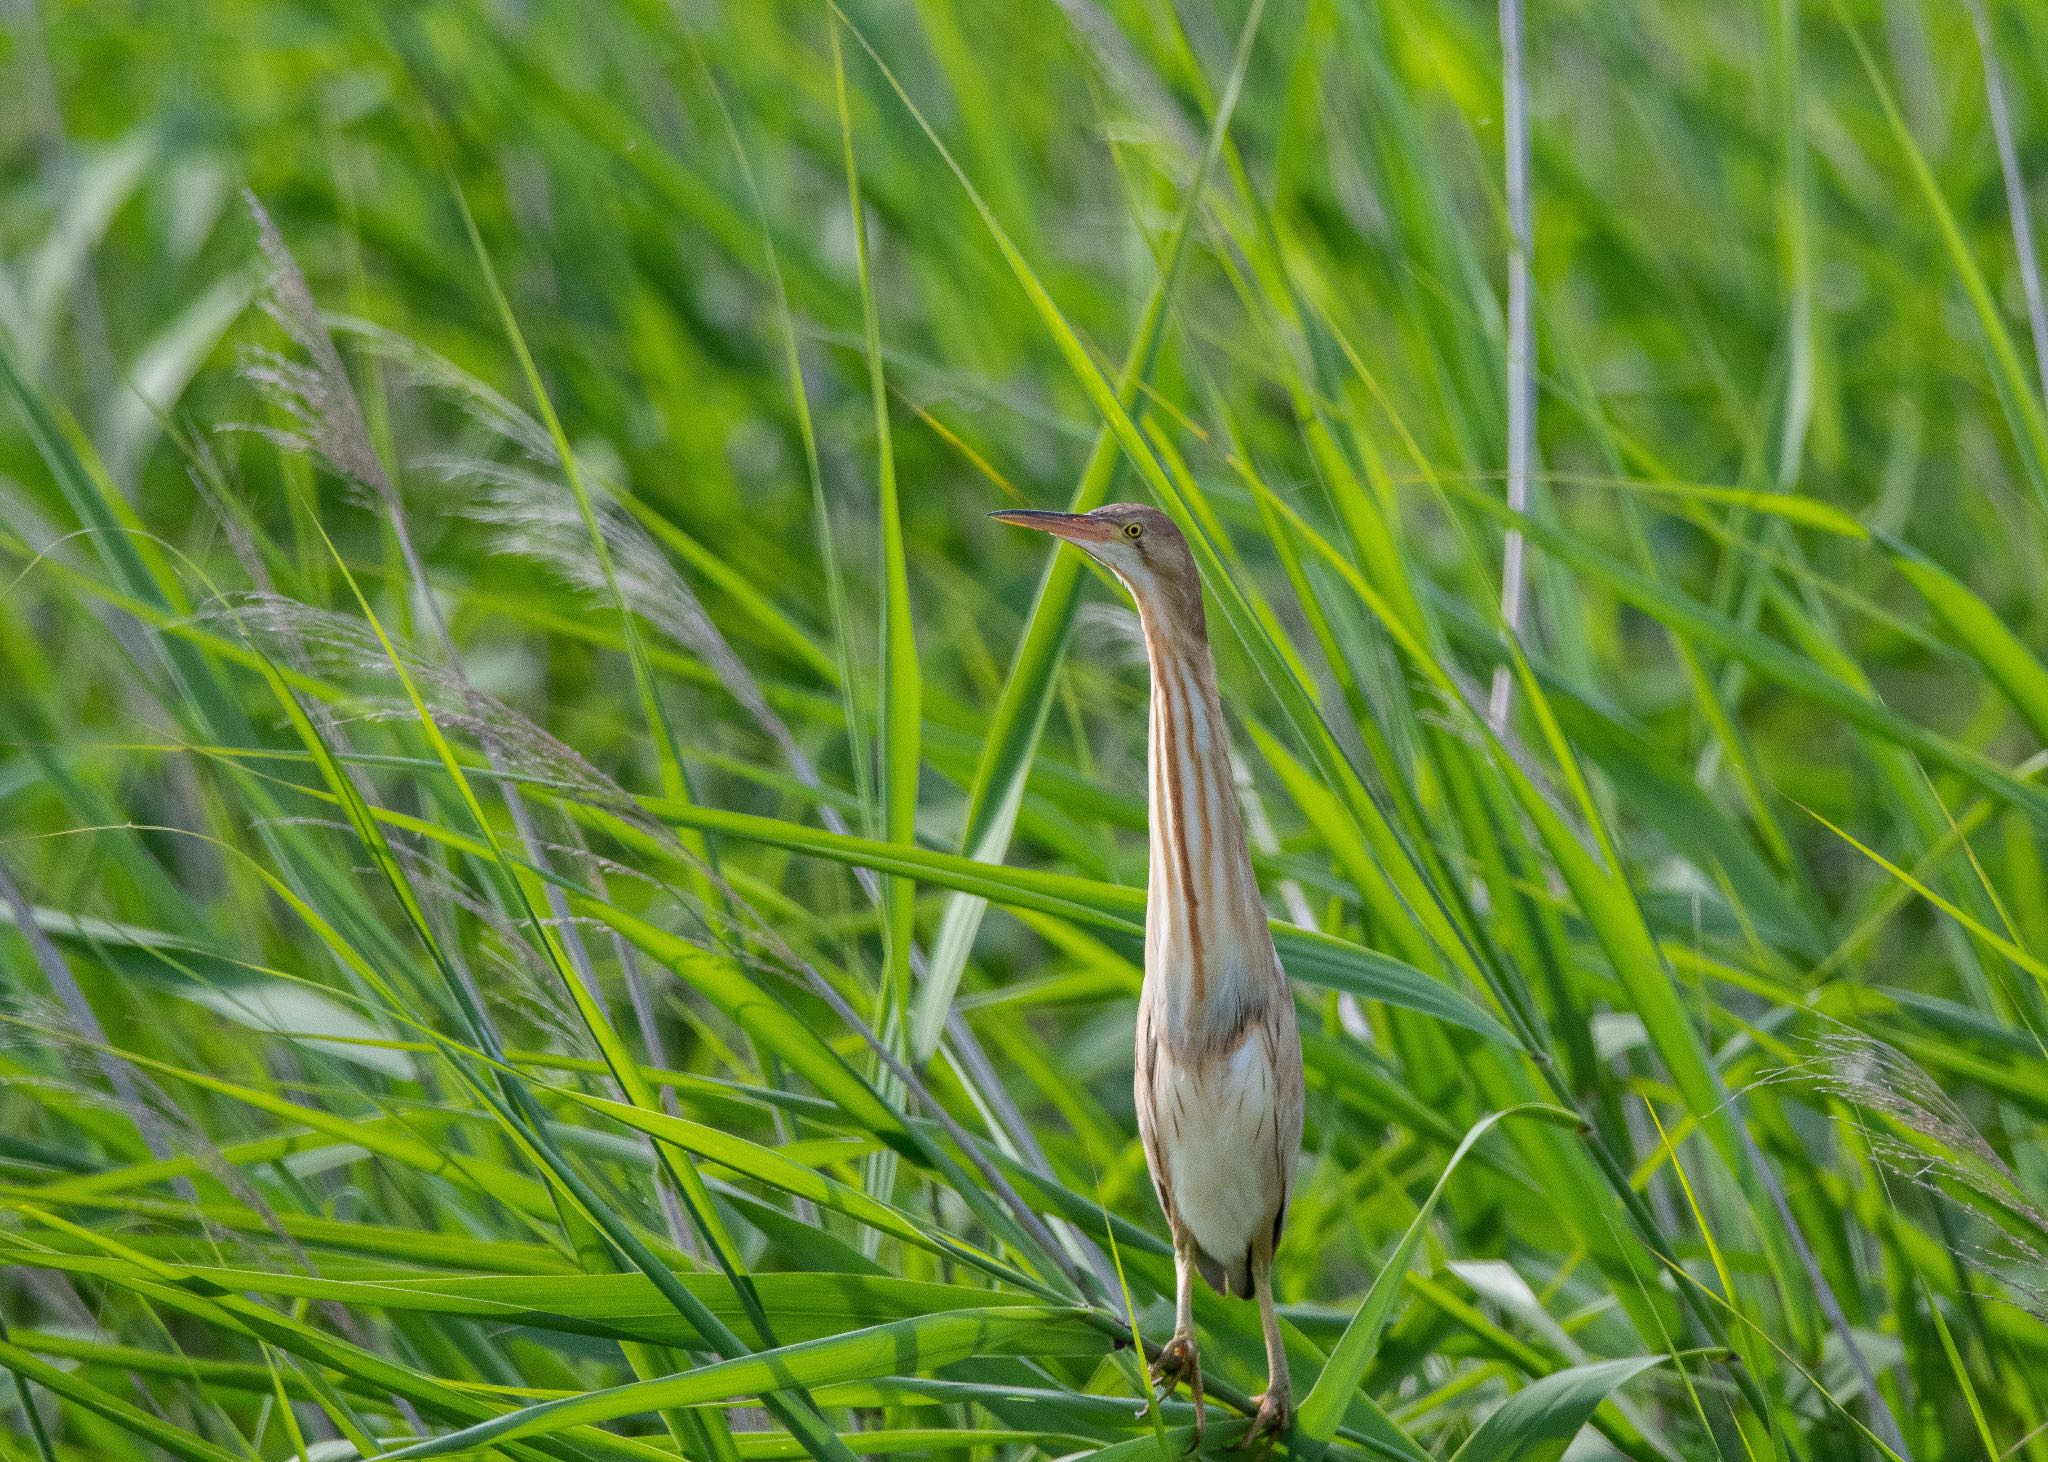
(565, 895)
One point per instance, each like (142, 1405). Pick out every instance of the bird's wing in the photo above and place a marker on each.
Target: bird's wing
(1145, 1088)
(1282, 1041)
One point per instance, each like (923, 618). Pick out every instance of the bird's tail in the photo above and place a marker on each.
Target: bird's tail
(1234, 1278)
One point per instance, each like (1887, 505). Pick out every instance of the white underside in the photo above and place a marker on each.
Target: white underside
(1217, 1130)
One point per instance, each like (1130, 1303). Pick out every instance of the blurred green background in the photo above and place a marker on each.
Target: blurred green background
(549, 850)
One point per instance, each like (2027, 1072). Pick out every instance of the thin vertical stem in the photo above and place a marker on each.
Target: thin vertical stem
(2015, 189)
(1521, 399)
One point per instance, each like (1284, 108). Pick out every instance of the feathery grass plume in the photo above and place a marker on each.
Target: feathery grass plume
(534, 519)
(1928, 1140)
(315, 394)
(338, 645)
(1932, 1142)
(488, 406)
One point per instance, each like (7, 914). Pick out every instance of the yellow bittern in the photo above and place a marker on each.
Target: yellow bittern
(1218, 1070)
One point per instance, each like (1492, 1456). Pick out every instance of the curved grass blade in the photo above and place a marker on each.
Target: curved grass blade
(767, 1166)
(1539, 1421)
(1309, 955)
(131, 1419)
(1323, 1408)
(906, 1347)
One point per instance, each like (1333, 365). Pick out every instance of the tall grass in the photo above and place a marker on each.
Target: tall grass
(565, 895)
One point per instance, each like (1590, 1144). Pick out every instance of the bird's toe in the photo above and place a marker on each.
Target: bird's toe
(1269, 1423)
(1177, 1362)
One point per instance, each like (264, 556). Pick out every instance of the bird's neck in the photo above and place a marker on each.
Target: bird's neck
(1209, 961)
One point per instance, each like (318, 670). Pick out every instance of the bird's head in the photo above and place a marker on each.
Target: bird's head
(1138, 544)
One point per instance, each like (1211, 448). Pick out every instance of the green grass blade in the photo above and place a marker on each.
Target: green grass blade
(907, 1347)
(1323, 1408)
(1539, 1421)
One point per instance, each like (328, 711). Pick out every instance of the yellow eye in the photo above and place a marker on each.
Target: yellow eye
(1134, 530)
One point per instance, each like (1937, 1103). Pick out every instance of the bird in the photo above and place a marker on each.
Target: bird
(1217, 1071)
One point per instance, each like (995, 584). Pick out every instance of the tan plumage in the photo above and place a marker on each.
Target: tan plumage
(1218, 1068)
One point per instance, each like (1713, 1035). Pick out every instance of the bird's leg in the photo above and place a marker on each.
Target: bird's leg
(1178, 1358)
(1276, 1407)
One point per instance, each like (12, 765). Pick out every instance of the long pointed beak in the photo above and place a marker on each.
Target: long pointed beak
(1074, 527)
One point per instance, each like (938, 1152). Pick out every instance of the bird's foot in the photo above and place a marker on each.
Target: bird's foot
(1180, 1361)
(1274, 1416)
